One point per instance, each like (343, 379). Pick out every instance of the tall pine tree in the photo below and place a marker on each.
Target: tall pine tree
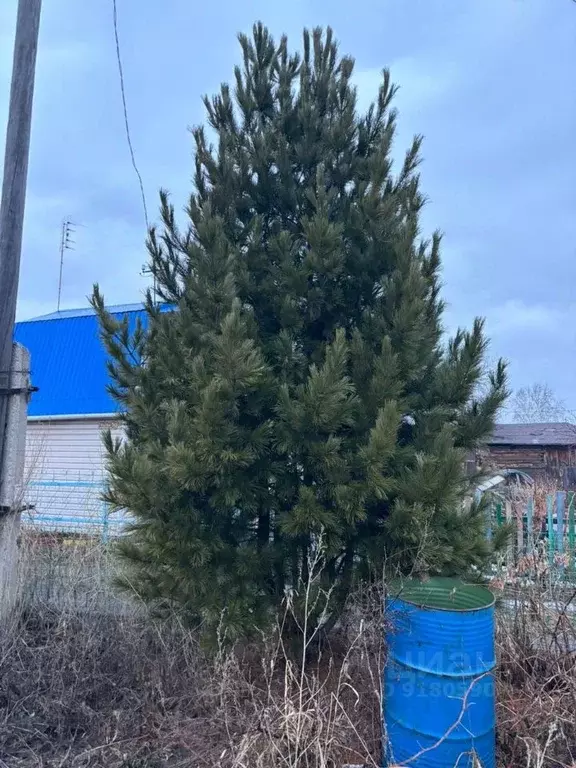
(300, 386)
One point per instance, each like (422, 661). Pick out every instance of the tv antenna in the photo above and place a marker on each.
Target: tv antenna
(146, 270)
(66, 244)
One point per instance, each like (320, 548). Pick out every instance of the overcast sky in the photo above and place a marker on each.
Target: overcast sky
(490, 84)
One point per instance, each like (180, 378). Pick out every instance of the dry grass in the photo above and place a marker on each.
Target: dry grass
(86, 681)
(89, 680)
(536, 693)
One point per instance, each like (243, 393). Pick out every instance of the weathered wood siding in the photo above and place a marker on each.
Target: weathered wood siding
(535, 460)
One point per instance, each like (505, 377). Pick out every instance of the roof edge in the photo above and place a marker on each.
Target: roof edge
(76, 417)
(64, 314)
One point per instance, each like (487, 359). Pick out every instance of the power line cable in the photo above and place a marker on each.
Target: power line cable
(125, 109)
(128, 135)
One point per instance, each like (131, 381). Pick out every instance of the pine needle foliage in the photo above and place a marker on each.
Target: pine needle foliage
(300, 388)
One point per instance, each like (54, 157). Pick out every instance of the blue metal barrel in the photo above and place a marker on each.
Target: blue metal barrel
(439, 705)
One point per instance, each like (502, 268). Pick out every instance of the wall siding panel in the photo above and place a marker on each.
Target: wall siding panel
(64, 475)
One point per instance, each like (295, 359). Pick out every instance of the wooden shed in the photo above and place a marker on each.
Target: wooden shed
(546, 452)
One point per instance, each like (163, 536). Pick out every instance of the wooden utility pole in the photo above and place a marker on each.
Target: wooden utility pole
(14, 359)
(14, 192)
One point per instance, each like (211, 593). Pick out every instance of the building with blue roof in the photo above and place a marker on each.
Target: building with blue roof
(65, 460)
(68, 362)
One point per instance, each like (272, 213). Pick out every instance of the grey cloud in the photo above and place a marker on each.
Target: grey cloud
(489, 83)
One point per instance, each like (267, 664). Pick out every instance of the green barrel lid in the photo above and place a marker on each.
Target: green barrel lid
(442, 593)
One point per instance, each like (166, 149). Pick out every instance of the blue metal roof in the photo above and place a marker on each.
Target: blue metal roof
(68, 361)
(114, 309)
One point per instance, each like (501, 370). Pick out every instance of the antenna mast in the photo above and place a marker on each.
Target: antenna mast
(146, 270)
(66, 244)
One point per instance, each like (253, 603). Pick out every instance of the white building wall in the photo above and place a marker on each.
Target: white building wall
(64, 475)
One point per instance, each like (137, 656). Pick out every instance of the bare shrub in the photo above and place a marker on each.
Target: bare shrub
(318, 707)
(69, 573)
(84, 686)
(536, 692)
(86, 682)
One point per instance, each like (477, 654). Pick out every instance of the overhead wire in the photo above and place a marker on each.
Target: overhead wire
(125, 110)
(127, 128)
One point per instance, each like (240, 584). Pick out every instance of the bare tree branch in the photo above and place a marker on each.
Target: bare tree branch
(537, 404)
